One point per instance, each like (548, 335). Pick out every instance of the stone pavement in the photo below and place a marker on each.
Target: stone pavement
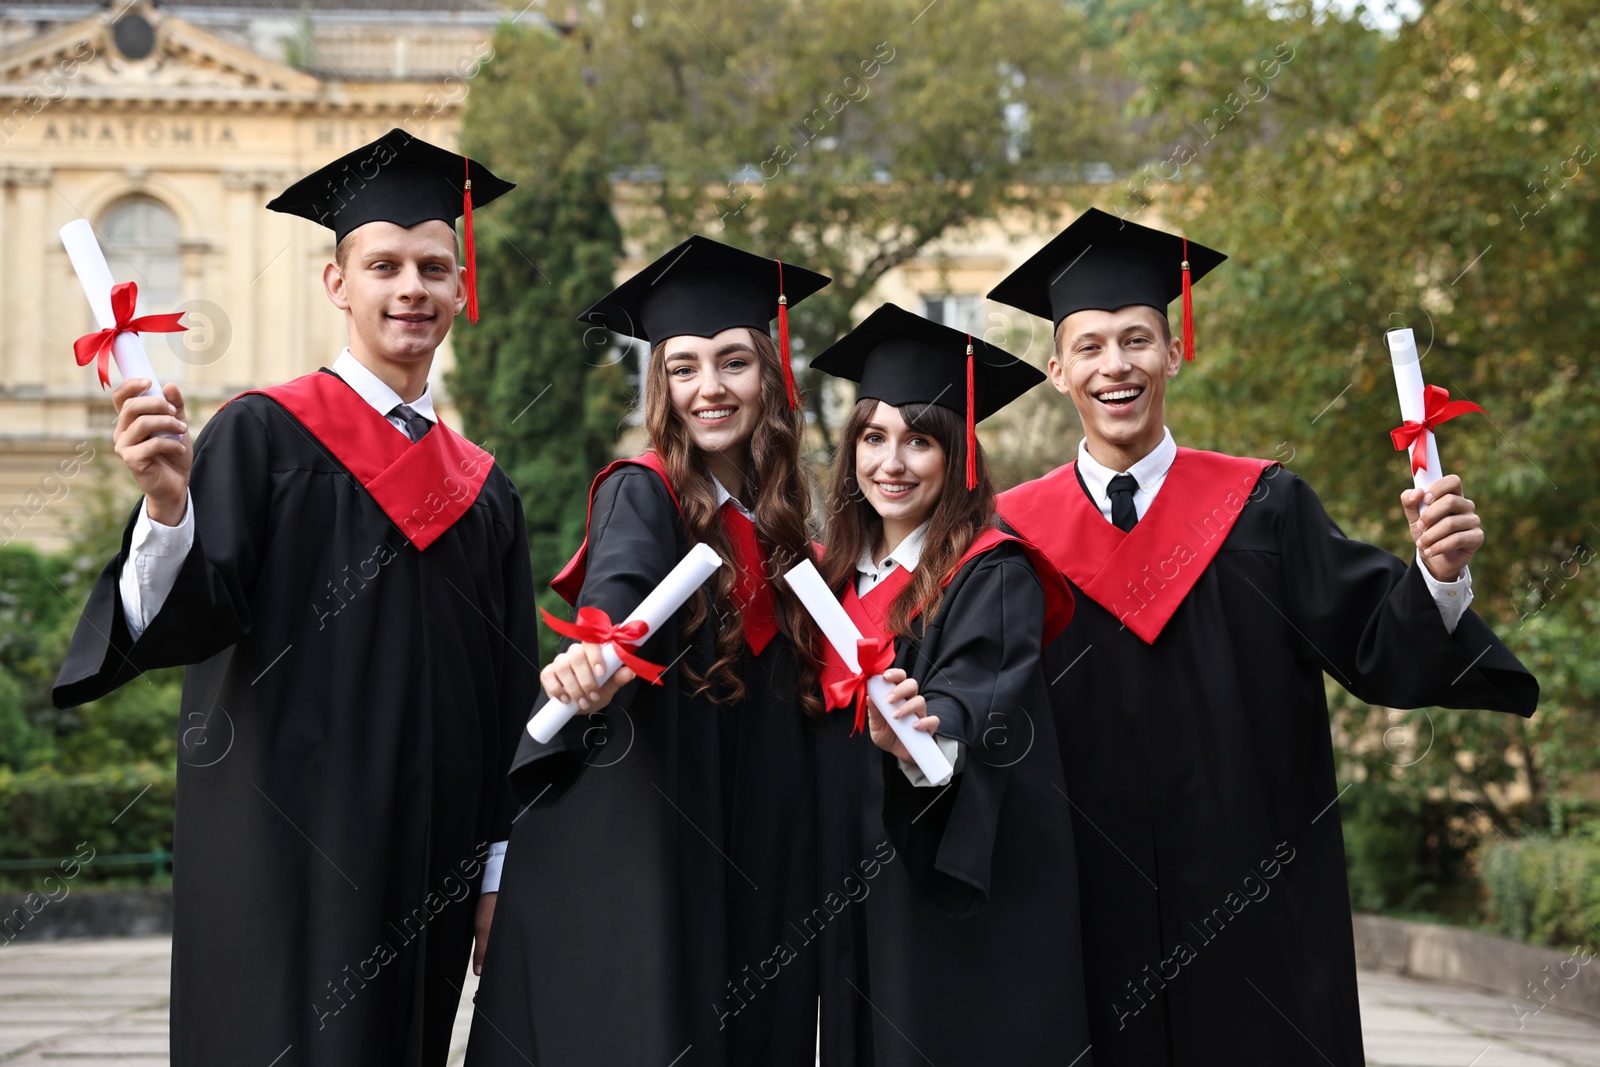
(1410, 1023)
(104, 1004)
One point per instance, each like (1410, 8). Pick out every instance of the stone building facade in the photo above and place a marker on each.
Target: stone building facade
(170, 127)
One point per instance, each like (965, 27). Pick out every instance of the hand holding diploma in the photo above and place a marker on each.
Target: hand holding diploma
(841, 633)
(1444, 525)
(151, 434)
(573, 677)
(587, 676)
(909, 705)
(152, 437)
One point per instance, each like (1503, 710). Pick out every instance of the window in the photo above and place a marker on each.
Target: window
(959, 311)
(140, 239)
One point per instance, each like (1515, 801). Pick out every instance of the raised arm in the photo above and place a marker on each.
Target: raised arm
(1374, 620)
(208, 607)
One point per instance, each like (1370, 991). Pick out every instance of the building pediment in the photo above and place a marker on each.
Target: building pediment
(152, 55)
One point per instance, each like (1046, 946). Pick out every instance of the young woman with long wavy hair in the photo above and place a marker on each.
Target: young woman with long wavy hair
(969, 936)
(671, 831)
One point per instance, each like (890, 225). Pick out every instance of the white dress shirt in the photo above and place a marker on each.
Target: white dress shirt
(157, 552)
(1150, 472)
(723, 496)
(1452, 598)
(869, 573)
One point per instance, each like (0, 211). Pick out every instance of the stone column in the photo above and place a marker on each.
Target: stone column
(24, 353)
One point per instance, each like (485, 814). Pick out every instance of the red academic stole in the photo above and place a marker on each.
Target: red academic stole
(423, 486)
(752, 592)
(1143, 576)
(870, 613)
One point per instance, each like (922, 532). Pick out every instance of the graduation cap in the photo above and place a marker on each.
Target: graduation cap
(703, 287)
(901, 358)
(400, 179)
(1103, 262)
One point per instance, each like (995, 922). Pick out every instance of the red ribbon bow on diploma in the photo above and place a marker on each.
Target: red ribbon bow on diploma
(876, 656)
(593, 626)
(97, 345)
(1437, 408)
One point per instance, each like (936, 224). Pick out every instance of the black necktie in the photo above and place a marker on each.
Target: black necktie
(416, 425)
(1123, 513)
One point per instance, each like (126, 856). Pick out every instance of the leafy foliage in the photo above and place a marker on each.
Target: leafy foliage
(67, 776)
(848, 137)
(535, 389)
(1437, 176)
(1545, 891)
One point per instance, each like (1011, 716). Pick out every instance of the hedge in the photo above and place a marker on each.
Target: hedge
(117, 810)
(1543, 891)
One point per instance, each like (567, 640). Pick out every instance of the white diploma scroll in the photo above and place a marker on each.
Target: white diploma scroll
(654, 611)
(1408, 382)
(842, 634)
(95, 276)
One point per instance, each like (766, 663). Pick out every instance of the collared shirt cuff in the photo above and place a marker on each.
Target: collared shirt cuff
(155, 556)
(154, 539)
(1453, 598)
(492, 865)
(953, 750)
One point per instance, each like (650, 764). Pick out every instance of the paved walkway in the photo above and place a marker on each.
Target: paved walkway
(104, 1004)
(1408, 1023)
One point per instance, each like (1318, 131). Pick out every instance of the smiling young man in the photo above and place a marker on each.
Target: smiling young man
(1214, 592)
(348, 580)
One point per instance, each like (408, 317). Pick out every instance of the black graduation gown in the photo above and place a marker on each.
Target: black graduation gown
(1216, 914)
(666, 844)
(348, 714)
(959, 940)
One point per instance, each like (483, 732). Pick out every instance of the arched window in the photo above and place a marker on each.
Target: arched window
(141, 244)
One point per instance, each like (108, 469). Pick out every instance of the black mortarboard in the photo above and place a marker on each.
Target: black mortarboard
(400, 179)
(1103, 262)
(703, 287)
(901, 358)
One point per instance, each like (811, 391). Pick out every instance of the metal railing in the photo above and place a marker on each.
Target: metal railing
(160, 860)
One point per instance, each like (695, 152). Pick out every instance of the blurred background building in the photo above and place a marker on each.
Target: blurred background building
(170, 126)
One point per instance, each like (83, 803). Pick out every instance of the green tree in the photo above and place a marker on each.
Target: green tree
(848, 137)
(70, 776)
(535, 387)
(1437, 175)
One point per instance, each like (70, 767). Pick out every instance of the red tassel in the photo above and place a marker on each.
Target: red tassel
(972, 424)
(1188, 308)
(783, 343)
(471, 251)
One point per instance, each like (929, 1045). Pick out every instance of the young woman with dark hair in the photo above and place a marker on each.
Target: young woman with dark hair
(967, 947)
(670, 832)
(705, 462)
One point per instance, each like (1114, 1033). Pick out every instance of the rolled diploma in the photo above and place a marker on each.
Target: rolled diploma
(841, 632)
(1408, 382)
(654, 611)
(95, 277)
